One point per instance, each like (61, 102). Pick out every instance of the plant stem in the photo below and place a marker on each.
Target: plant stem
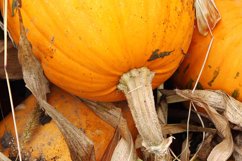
(136, 85)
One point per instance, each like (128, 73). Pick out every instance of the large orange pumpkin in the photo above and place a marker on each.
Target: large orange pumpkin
(93, 48)
(47, 140)
(223, 67)
(86, 46)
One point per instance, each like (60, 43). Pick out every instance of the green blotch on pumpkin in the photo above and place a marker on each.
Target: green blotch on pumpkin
(199, 86)
(235, 93)
(157, 54)
(15, 4)
(215, 75)
(186, 68)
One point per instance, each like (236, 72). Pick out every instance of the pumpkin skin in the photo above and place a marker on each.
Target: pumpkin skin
(85, 46)
(223, 67)
(48, 140)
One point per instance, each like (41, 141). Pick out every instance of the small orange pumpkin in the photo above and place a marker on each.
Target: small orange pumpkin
(223, 68)
(47, 141)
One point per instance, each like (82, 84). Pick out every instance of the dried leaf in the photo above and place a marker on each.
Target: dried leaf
(185, 155)
(110, 149)
(171, 96)
(238, 148)
(162, 111)
(3, 157)
(9, 35)
(81, 148)
(179, 128)
(14, 68)
(206, 147)
(223, 150)
(207, 15)
(31, 126)
(122, 151)
(112, 115)
(230, 107)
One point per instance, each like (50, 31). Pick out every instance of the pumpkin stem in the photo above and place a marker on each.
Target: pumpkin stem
(136, 85)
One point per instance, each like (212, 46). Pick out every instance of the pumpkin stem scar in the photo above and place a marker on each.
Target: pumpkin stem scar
(215, 75)
(136, 85)
(157, 54)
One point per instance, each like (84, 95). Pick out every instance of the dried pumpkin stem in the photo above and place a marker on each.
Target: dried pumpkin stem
(136, 85)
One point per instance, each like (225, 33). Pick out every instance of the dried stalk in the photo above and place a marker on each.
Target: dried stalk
(136, 86)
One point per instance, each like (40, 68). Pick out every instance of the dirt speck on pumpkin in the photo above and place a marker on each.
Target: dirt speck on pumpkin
(41, 158)
(55, 158)
(6, 139)
(52, 40)
(237, 75)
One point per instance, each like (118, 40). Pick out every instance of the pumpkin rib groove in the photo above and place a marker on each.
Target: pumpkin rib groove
(76, 60)
(66, 74)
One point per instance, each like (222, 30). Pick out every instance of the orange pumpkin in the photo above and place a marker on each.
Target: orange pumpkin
(86, 46)
(223, 67)
(47, 141)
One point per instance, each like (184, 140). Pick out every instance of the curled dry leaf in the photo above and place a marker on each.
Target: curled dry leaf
(110, 149)
(179, 128)
(9, 35)
(207, 15)
(3, 157)
(81, 148)
(238, 148)
(206, 147)
(223, 150)
(124, 149)
(227, 105)
(13, 66)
